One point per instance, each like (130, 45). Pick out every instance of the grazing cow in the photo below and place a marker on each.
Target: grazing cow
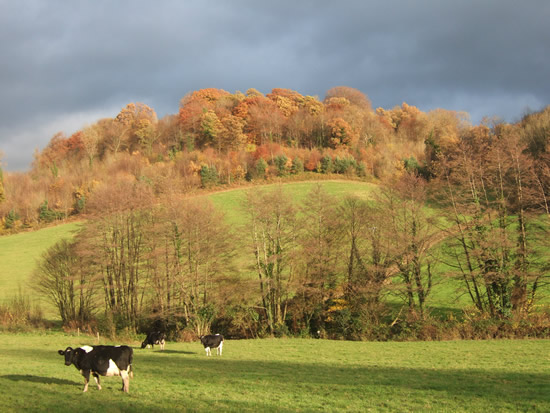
(212, 341)
(154, 337)
(101, 360)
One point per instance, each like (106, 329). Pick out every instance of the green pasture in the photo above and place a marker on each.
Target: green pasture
(19, 254)
(284, 375)
(231, 202)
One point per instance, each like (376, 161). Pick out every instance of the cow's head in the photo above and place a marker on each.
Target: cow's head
(69, 354)
(144, 344)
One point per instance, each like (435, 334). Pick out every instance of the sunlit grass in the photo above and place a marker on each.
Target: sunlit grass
(232, 201)
(19, 254)
(285, 375)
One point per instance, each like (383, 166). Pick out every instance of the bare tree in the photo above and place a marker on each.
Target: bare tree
(67, 282)
(273, 235)
(411, 233)
(320, 240)
(193, 261)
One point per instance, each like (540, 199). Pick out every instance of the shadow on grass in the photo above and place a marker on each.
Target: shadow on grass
(174, 352)
(37, 379)
(511, 386)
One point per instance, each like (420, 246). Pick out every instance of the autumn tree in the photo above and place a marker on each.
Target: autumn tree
(264, 120)
(354, 96)
(486, 186)
(133, 118)
(90, 138)
(68, 283)
(535, 134)
(273, 241)
(201, 113)
(114, 245)
(340, 133)
(192, 262)
(368, 260)
(317, 273)
(412, 234)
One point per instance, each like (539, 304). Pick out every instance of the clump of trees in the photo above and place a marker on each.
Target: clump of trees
(221, 138)
(353, 268)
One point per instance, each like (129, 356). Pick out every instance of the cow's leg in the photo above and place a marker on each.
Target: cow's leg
(96, 378)
(207, 349)
(219, 349)
(162, 344)
(125, 381)
(86, 374)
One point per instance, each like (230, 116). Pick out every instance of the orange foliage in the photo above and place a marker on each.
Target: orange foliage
(313, 160)
(340, 133)
(353, 96)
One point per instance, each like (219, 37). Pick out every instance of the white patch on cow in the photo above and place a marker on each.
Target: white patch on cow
(113, 370)
(97, 382)
(87, 349)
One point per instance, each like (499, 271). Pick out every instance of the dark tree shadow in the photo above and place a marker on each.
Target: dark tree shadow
(37, 379)
(171, 352)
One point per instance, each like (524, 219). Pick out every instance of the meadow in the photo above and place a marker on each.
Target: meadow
(19, 254)
(283, 375)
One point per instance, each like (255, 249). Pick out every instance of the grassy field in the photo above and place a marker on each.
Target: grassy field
(283, 375)
(19, 254)
(231, 202)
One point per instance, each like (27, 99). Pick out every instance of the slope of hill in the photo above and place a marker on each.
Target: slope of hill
(19, 254)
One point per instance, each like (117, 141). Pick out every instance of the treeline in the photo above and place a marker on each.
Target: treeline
(352, 268)
(219, 138)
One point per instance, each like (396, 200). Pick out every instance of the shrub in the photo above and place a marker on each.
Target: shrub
(326, 165)
(209, 176)
(343, 165)
(19, 313)
(297, 166)
(46, 214)
(261, 168)
(280, 162)
(11, 219)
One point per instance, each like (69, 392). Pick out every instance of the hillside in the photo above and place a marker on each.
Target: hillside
(19, 254)
(325, 252)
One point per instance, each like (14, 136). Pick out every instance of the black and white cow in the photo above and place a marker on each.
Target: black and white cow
(212, 341)
(154, 337)
(101, 361)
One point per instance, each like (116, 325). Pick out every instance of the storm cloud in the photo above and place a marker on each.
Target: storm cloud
(66, 64)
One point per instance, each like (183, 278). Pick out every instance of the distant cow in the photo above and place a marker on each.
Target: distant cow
(212, 341)
(154, 337)
(101, 360)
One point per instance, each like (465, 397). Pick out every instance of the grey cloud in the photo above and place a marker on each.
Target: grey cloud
(62, 58)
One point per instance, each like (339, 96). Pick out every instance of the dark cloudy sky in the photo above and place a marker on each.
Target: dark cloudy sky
(65, 64)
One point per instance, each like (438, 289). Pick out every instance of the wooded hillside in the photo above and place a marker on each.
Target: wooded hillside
(151, 254)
